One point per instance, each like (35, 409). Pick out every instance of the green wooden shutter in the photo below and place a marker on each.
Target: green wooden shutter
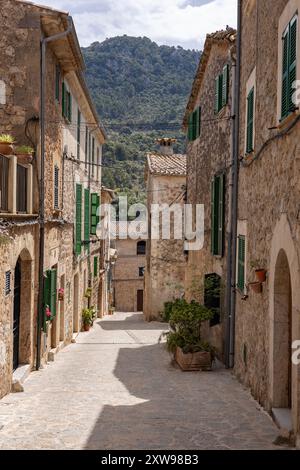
(221, 215)
(198, 122)
(190, 128)
(87, 218)
(53, 300)
(78, 235)
(292, 62)
(250, 121)
(95, 203)
(285, 67)
(69, 114)
(95, 266)
(63, 99)
(225, 85)
(217, 99)
(241, 262)
(214, 218)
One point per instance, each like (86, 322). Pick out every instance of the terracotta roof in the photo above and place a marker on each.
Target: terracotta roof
(173, 165)
(227, 36)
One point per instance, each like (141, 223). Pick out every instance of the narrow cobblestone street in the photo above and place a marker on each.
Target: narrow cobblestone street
(117, 389)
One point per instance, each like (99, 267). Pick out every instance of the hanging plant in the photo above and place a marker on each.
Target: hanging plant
(48, 313)
(88, 293)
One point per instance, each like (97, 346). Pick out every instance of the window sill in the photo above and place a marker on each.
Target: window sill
(285, 122)
(10, 215)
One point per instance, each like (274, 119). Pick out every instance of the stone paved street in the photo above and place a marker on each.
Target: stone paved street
(117, 389)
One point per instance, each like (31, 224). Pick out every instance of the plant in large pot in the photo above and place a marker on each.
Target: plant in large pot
(6, 144)
(88, 317)
(24, 154)
(184, 339)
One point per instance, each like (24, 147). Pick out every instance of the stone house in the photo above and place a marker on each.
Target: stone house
(129, 270)
(268, 314)
(208, 122)
(165, 176)
(48, 208)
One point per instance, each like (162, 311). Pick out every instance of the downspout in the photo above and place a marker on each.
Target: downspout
(234, 180)
(40, 312)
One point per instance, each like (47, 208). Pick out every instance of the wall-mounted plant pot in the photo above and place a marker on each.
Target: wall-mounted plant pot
(61, 297)
(6, 148)
(261, 275)
(256, 287)
(200, 361)
(86, 327)
(24, 158)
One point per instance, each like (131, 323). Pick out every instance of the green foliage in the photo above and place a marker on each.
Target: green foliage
(88, 316)
(140, 90)
(24, 150)
(6, 139)
(185, 322)
(168, 309)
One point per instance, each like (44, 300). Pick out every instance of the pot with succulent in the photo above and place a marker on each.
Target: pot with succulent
(88, 317)
(184, 339)
(6, 144)
(24, 154)
(61, 294)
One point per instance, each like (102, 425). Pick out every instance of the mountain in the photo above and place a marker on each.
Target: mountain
(140, 90)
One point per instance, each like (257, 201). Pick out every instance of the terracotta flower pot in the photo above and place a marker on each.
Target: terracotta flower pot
(61, 296)
(257, 287)
(25, 158)
(6, 149)
(261, 275)
(86, 327)
(200, 361)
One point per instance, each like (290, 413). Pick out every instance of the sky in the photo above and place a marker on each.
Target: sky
(171, 22)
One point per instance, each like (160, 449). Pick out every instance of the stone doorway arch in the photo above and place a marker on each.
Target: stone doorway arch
(23, 310)
(284, 317)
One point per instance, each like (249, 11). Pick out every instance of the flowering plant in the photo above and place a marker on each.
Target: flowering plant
(61, 291)
(48, 312)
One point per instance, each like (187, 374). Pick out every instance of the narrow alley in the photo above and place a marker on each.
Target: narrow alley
(116, 388)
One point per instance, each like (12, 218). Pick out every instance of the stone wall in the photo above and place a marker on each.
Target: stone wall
(207, 156)
(126, 275)
(165, 272)
(269, 192)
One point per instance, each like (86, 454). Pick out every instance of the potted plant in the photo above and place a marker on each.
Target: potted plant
(261, 273)
(6, 144)
(88, 316)
(61, 294)
(24, 154)
(88, 293)
(111, 310)
(184, 339)
(256, 287)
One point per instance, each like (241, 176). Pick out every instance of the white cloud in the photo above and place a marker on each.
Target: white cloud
(174, 22)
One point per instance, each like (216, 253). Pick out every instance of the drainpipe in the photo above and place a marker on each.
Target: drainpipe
(40, 313)
(233, 211)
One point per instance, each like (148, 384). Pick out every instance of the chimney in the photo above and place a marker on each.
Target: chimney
(166, 146)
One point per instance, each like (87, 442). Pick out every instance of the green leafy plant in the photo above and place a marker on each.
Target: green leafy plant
(88, 316)
(185, 322)
(6, 139)
(24, 150)
(88, 293)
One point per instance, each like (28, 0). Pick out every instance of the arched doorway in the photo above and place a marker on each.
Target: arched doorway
(282, 365)
(17, 315)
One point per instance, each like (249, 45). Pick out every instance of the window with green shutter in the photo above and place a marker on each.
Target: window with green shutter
(63, 99)
(289, 68)
(56, 187)
(217, 215)
(50, 295)
(78, 228)
(69, 112)
(87, 218)
(78, 133)
(225, 85)
(95, 203)
(222, 89)
(194, 125)
(250, 121)
(241, 262)
(96, 266)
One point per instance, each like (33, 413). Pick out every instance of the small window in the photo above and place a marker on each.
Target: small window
(217, 215)
(141, 272)
(21, 189)
(56, 187)
(141, 248)
(221, 89)
(66, 103)
(250, 121)
(7, 282)
(241, 263)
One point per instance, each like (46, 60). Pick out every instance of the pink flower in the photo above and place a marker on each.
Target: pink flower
(48, 312)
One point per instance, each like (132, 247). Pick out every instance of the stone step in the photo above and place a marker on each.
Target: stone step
(19, 377)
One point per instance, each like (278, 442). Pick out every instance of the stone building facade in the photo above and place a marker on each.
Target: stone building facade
(268, 314)
(209, 125)
(165, 176)
(73, 142)
(129, 271)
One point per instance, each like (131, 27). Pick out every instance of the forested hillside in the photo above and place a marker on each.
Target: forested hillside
(140, 90)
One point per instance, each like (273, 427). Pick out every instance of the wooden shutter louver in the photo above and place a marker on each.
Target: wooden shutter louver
(87, 218)
(78, 228)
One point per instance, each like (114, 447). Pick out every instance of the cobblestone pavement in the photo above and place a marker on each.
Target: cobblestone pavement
(117, 389)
